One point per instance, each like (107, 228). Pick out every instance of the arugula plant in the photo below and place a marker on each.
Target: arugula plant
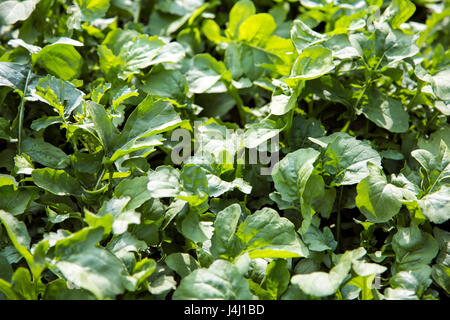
(352, 96)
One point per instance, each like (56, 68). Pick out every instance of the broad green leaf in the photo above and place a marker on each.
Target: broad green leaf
(22, 284)
(319, 241)
(18, 234)
(277, 278)
(60, 59)
(136, 189)
(164, 182)
(16, 200)
(256, 30)
(13, 11)
(45, 153)
(239, 13)
(303, 37)
(125, 52)
(149, 118)
(400, 45)
(385, 112)
(123, 216)
(322, 284)
(312, 63)
(212, 31)
(182, 263)
(58, 290)
(413, 247)
(441, 275)
(436, 206)
(205, 74)
(346, 158)
(103, 125)
(92, 9)
(286, 172)
(13, 75)
(440, 83)
(66, 94)
(377, 199)
(417, 280)
(221, 280)
(57, 182)
(437, 167)
(167, 83)
(225, 226)
(264, 234)
(143, 269)
(398, 12)
(89, 267)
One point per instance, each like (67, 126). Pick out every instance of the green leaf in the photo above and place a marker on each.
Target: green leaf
(92, 9)
(149, 118)
(205, 74)
(16, 200)
(225, 226)
(312, 63)
(61, 59)
(255, 30)
(385, 112)
(22, 284)
(303, 37)
(346, 158)
(437, 167)
(182, 263)
(441, 274)
(89, 267)
(125, 52)
(164, 181)
(18, 234)
(13, 75)
(57, 182)
(143, 269)
(322, 284)
(440, 82)
(398, 12)
(264, 234)
(277, 278)
(136, 189)
(66, 94)
(242, 10)
(377, 199)
(436, 206)
(319, 241)
(45, 153)
(285, 173)
(13, 11)
(221, 280)
(103, 125)
(413, 247)
(166, 83)
(58, 290)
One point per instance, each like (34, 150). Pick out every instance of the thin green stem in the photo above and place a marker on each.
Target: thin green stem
(99, 179)
(21, 113)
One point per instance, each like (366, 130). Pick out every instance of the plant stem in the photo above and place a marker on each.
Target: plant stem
(99, 179)
(21, 113)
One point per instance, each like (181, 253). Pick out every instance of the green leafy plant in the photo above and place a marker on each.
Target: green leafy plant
(275, 150)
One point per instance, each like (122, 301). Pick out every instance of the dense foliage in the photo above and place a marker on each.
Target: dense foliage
(355, 93)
